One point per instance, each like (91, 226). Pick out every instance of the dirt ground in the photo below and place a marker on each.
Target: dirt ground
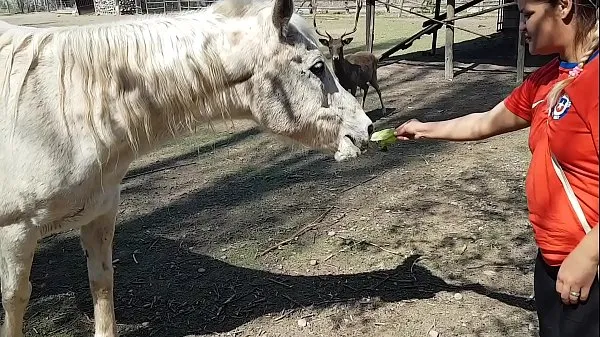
(428, 236)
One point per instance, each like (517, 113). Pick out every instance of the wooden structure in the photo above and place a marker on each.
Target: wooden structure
(430, 26)
(447, 19)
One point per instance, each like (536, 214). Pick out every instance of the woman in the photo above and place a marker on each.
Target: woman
(560, 103)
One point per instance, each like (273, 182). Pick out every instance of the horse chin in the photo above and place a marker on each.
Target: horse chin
(346, 150)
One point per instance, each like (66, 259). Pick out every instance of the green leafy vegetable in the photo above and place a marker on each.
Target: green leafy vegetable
(384, 138)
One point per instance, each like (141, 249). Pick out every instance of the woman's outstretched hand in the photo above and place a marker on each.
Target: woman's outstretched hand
(411, 129)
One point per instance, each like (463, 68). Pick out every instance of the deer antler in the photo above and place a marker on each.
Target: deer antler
(314, 8)
(358, 8)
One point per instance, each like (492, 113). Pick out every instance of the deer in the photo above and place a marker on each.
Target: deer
(354, 70)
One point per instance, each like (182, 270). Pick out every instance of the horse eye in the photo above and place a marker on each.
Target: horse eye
(318, 68)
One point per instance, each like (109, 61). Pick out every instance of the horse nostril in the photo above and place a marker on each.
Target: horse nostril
(370, 130)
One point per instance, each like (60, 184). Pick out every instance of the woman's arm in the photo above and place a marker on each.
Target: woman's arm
(475, 126)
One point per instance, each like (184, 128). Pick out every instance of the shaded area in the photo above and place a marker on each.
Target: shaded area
(177, 160)
(499, 50)
(176, 292)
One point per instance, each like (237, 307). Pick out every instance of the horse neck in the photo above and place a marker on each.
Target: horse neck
(164, 84)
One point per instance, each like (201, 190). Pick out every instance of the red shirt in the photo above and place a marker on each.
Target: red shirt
(572, 134)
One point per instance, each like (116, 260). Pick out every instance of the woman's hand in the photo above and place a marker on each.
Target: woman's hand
(577, 272)
(409, 130)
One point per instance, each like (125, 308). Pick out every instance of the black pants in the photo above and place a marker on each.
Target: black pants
(557, 319)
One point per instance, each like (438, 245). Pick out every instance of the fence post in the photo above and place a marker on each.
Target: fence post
(449, 50)
(370, 26)
(520, 54)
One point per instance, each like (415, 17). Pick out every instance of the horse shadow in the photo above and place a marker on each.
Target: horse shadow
(377, 114)
(170, 290)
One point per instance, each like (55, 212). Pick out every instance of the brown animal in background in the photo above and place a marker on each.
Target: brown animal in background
(355, 70)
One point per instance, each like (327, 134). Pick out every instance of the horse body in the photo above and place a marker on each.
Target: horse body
(79, 104)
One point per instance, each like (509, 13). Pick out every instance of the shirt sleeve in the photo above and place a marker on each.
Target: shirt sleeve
(520, 100)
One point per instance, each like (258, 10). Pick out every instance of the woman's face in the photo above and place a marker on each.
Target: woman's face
(543, 25)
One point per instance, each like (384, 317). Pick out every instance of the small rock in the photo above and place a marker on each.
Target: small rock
(313, 262)
(279, 266)
(331, 233)
(433, 333)
(302, 322)
(489, 272)
(201, 270)
(458, 296)
(145, 324)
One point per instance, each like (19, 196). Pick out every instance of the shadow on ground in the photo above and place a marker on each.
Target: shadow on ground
(183, 293)
(499, 49)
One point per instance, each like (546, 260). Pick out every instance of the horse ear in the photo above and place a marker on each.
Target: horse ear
(282, 13)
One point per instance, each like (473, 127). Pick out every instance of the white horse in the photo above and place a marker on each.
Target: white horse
(78, 104)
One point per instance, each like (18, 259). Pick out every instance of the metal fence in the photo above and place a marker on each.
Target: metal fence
(29, 6)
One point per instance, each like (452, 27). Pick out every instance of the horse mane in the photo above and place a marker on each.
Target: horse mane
(160, 60)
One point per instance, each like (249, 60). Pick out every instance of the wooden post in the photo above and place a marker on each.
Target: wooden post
(520, 54)
(401, 6)
(370, 25)
(449, 49)
(438, 4)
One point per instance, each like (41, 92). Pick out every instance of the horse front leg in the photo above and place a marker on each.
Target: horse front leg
(17, 247)
(96, 241)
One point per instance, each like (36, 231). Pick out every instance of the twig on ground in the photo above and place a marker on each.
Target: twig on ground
(143, 173)
(285, 315)
(491, 265)
(432, 326)
(383, 281)
(371, 244)
(153, 243)
(384, 249)
(293, 301)
(280, 283)
(412, 266)
(358, 184)
(298, 233)
(340, 251)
